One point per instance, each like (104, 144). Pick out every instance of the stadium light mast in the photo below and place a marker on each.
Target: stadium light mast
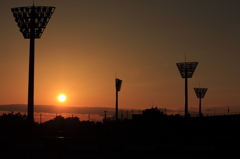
(118, 84)
(32, 21)
(186, 70)
(200, 92)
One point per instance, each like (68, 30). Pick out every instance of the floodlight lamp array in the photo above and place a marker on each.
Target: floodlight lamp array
(118, 83)
(39, 14)
(187, 69)
(200, 92)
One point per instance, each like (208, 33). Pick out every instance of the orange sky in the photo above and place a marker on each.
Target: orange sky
(87, 42)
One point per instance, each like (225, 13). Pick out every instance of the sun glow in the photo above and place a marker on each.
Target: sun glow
(62, 97)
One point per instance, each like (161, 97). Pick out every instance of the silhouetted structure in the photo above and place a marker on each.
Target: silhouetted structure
(186, 70)
(200, 92)
(32, 21)
(149, 115)
(118, 84)
(152, 133)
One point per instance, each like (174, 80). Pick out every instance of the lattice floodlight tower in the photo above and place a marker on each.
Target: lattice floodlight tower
(32, 21)
(118, 84)
(200, 92)
(186, 70)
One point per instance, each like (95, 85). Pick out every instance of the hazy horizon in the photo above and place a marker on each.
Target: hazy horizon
(49, 112)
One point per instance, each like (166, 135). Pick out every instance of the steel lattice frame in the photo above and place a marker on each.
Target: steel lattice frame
(24, 15)
(200, 92)
(187, 69)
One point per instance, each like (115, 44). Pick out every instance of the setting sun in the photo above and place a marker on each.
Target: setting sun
(61, 97)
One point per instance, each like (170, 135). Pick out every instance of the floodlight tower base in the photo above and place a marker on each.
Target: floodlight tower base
(116, 105)
(200, 107)
(186, 97)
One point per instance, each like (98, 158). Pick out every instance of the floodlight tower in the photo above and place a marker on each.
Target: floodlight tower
(118, 84)
(186, 70)
(32, 21)
(200, 92)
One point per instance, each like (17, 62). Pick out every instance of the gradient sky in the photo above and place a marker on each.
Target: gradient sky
(87, 41)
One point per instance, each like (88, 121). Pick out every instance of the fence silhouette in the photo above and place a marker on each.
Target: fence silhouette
(215, 114)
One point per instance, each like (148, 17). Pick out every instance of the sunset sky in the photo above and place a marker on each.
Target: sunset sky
(87, 42)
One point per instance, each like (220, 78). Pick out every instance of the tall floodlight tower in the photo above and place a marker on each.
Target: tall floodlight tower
(32, 21)
(186, 70)
(200, 92)
(118, 84)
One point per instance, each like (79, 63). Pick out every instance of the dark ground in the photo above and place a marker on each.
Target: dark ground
(45, 147)
(145, 137)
